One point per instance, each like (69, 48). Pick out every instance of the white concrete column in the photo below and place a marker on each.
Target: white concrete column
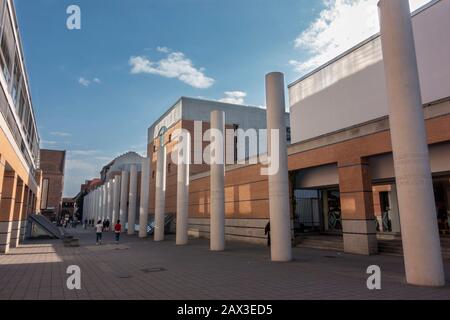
(280, 218)
(184, 160)
(104, 202)
(94, 204)
(160, 194)
(132, 199)
(110, 187)
(145, 189)
(92, 210)
(116, 200)
(97, 205)
(100, 205)
(217, 158)
(91, 214)
(420, 236)
(124, 198)
(88, 206)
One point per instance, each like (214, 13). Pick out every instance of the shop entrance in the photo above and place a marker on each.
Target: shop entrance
(441, 186)
(317, 211)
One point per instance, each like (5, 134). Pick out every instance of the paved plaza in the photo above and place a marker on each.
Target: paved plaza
(144, 269)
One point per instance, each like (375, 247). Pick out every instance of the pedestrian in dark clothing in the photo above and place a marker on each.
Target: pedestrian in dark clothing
(267, 232)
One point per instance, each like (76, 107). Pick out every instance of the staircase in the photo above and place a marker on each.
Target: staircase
(323, 242)
(387, 244)
(38, 226)
(394, 247)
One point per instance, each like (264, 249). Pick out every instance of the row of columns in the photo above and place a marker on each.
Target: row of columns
(278, 182)
(17, 201)
(117, 200)
(422, 252)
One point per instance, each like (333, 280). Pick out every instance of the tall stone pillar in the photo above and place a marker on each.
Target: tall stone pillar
(110, 195)
(124, 198)
(88, 205)
(18, 212)
(132, 199)
(280, 219)
(100, 204)
(420, 236)
(160, 194)
(7, 204)
(91, 213)
(143, 208)
(98, 212)
(357, 211)
(184, 161)
(104, 201)
(94, 215)
(116, 200)
(217, 211)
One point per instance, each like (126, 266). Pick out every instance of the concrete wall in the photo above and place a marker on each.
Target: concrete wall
(123, 163)
(52, 166)
(191, 109)
(351, 90)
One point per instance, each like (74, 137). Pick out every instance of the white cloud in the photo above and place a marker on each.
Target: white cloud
(84, 82)
(83, 152)
(340, 26)
(235, 97)
(80, 164)
(48, 143)
(175, 65)
(163, 49)
(60, 134)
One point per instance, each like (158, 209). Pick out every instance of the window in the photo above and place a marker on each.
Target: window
(4, 59)
(45, 186)
(21, 105)
(16, 80)
(288, 134)
(7, 48)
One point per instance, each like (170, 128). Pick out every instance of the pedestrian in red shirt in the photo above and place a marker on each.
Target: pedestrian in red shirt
(117, 230)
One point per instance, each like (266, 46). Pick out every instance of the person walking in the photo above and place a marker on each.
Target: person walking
(267, 232)
(99, 230)
(117, 230)
(107, 224)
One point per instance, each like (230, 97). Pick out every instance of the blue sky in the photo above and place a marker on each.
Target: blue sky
(98, 89)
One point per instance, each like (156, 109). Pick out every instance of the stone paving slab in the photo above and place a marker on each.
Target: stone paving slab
(144, 269)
